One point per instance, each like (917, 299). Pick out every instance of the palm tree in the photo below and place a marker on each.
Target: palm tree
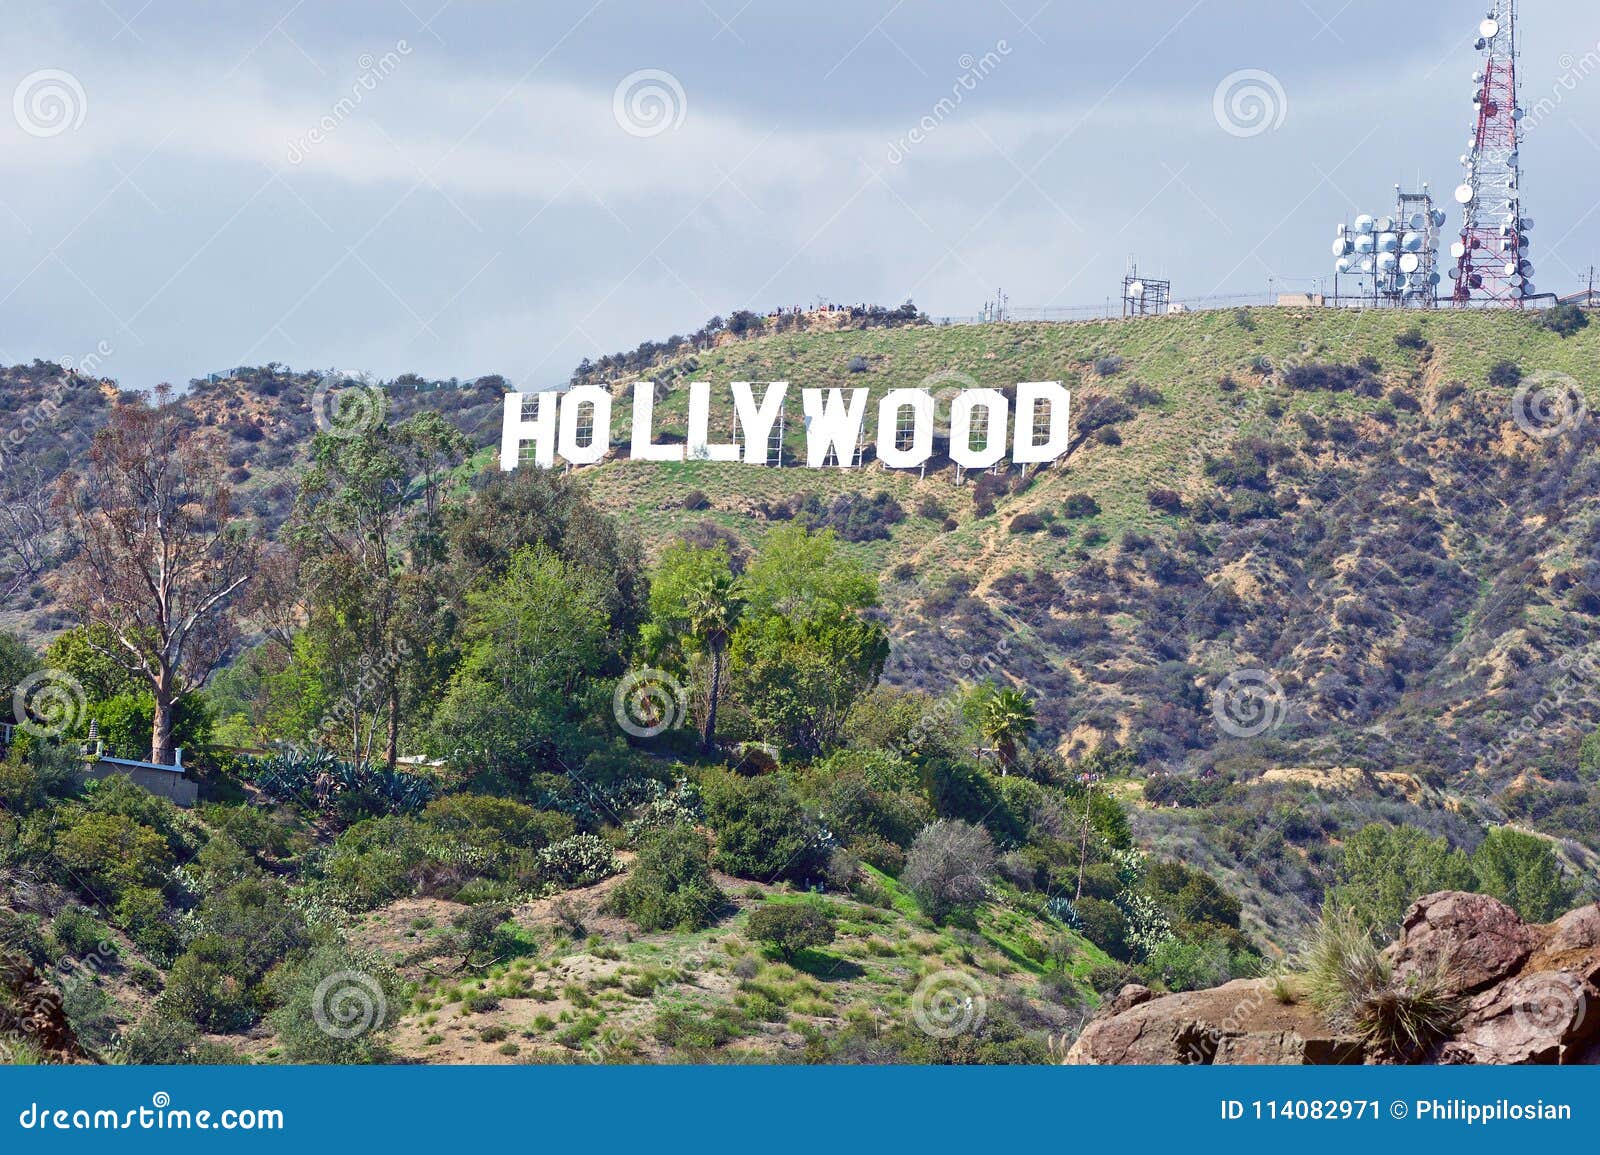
(713, 610)
(1007, 721)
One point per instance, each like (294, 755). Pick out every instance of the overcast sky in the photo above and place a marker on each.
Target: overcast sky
(462, 188)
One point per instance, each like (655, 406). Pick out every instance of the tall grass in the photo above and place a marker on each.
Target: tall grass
(1353, 983)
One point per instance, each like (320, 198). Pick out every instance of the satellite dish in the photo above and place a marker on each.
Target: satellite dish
(1510, 268)
(1458, 249)
(1388, 243)
(1344, 264)
(1386, 262)
(1136, 289)
(1477, 78)
(1411, 242)
(1385, 224)
(1516, 281)
(1519, 113)
(1410, 262)
(1433, 278)
(1464, 195)
(1417, 221)
(1489, 29)
(1342, 246)
(1439, 218)
(1525, 268)
(1366, 243)
(1364, 223)
(1527, 224)
(1365, 266)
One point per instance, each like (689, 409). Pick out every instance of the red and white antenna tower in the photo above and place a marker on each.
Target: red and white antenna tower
(1492, 265)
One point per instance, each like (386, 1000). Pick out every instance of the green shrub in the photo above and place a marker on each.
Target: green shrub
(1522, 870)
(1184, 965)
(106, 855)
(581, 860)
(338, 1007)
(81, 933)
(670, 883)
(1564, 320)
(1103, 924)
(762, 830)
(472, 816)
(791, 927)
(691, 1030)
(209, 985)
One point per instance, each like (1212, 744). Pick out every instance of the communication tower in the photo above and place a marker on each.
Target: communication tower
(1492, 265)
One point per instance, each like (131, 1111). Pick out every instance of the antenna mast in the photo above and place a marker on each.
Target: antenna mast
(1492, 265)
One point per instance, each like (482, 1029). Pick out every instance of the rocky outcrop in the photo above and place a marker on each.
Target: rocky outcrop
(31, 1014)
(1527, 994)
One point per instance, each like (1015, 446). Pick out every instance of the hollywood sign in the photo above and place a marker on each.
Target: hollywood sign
(576, 425)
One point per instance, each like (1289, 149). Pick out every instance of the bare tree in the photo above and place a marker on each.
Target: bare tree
(155, 556)
(28, 537)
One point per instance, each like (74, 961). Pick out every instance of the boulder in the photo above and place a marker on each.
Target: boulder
(1528, 994)
(1481, 938)
(1576, 930)
(1240, 1022)
(1532, 1018)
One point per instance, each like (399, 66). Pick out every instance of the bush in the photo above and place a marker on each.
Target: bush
(670, 884)
(1181, 965)
(1080, 505)
(1522, 871)
(515, 823)
(1101, 922)
(1564, 320)
(791, 927)
(949, 867)
(1505, 375)
(581, 860)
(107, 855)
(762, 830)
(1109, 366)
(1027, 523)
(209, 986)
(338, 1007)
(81, 933)
(1165, 500)
(1411, 338)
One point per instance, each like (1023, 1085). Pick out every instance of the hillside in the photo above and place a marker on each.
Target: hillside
(1339, 506)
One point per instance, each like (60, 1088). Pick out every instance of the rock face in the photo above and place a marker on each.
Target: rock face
(31, 1013)
(1528, 994)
